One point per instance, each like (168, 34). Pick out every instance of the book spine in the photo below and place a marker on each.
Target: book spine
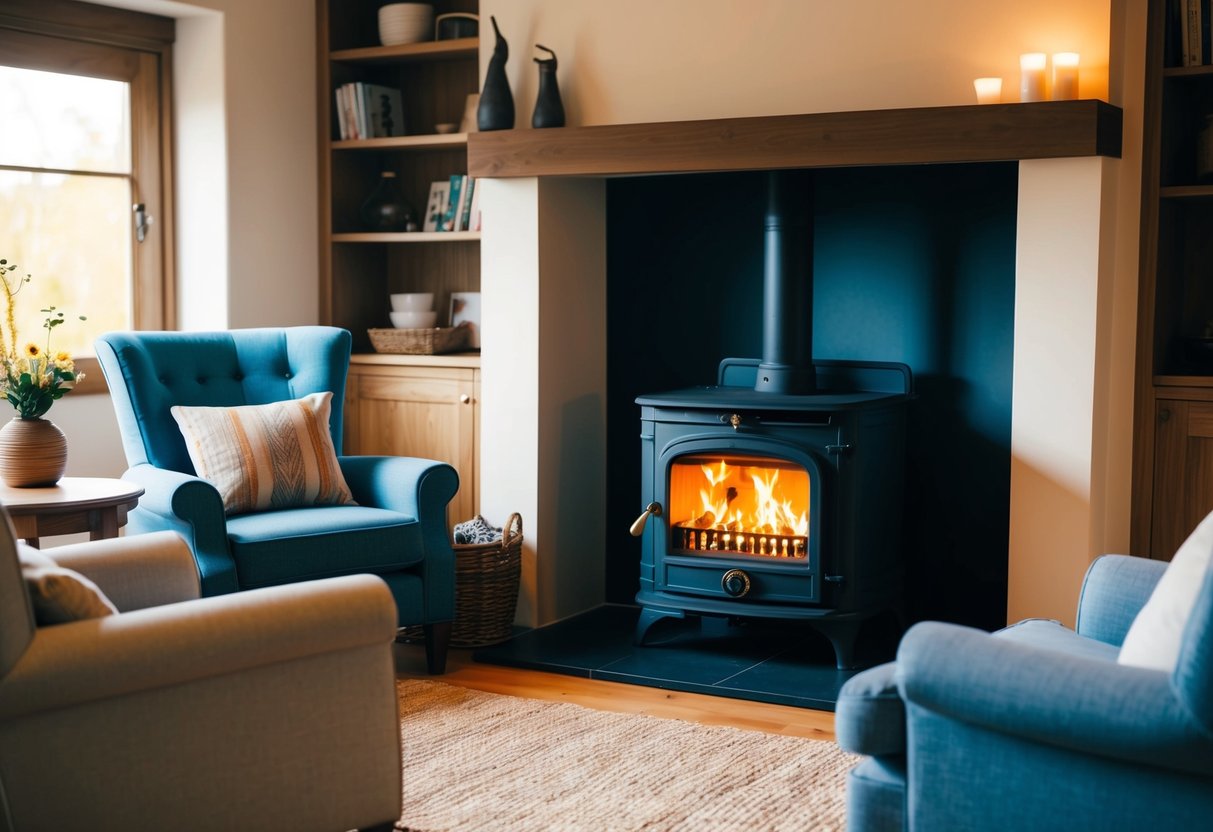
(342, 131)
(1206, 52)
(1173, 51)
(350, 113)
(360, 109)
(465, 214)
(1184, 37)
(474, 220)
(452, 207)
(1192, 36)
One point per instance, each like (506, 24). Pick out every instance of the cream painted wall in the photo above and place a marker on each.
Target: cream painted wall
(668, 60)
(1062, 267)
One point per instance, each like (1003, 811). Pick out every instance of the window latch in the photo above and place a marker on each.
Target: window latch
(142, 221)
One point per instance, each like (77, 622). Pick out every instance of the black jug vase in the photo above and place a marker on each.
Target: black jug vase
(549, 110)
(496, 110)
(386, 208)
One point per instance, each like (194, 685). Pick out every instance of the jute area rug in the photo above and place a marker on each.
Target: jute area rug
(482, 761)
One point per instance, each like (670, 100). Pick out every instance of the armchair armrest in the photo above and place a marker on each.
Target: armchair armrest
(410, 485)
(1051, 698)
(870, 717)
(1114, 590)
(420, 488)
(136, 571)
(192, 507)
(159, 647)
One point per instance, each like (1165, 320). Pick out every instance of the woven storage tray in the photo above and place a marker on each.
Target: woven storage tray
(430, 341)
(486, 589)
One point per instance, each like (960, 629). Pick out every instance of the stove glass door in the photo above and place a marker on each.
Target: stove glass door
(730, 504)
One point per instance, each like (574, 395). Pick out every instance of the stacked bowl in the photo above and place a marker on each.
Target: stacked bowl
(413, 310)
(405, 23)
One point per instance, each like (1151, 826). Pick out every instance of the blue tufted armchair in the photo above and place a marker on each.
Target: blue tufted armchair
(397, 530)
(1037, 727)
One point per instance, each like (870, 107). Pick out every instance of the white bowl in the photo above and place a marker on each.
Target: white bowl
(413, 302)
(413, 320)
(405, 23)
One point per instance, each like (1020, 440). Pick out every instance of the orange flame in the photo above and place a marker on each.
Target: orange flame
(752, 496)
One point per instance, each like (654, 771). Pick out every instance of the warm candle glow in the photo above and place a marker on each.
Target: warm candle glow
(1032, 76)
(1065, 76)
(989, 90)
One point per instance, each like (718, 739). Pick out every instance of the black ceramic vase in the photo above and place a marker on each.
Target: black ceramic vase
(386, 209)
(496, 111)
(549, 111)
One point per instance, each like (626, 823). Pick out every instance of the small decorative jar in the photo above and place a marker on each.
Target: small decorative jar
(386, 209)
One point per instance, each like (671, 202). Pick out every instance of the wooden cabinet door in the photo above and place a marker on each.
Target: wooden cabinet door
(1183, 472)
(418, 411)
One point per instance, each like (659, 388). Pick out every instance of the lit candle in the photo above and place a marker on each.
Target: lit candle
(1065, 76)
(989, 90)
(1032, 76)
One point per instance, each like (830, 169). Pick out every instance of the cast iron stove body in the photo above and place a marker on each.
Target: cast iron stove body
(766, 505)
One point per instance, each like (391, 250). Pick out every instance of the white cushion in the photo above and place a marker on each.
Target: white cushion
(60, 595)
(1154, 639)
(269, 456)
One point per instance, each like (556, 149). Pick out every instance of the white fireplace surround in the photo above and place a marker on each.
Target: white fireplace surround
(543, 276)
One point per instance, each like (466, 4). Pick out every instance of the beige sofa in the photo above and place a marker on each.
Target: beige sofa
(262, 710)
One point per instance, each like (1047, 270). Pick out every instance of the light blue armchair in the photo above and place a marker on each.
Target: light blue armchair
(397, 530)
(1036, 727)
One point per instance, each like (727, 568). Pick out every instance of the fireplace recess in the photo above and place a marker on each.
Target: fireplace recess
(777, 493)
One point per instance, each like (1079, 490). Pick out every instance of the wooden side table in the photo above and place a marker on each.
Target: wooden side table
(75, 504)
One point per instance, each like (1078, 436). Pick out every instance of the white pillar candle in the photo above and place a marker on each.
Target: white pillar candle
(1032, 76)
(989, 90)
(1065, 76)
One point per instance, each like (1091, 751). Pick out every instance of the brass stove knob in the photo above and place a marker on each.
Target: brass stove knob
(735, 583)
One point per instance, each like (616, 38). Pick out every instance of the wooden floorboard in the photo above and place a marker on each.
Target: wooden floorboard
(614, 696)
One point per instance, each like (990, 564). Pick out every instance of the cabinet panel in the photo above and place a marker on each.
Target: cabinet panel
(1183, 472)
(421, 412)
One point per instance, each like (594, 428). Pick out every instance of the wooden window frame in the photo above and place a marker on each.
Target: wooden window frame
(84, 37)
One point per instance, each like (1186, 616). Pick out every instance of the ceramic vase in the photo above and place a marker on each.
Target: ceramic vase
(386, 209)
(549, 110)
(496, 108)
(33, 452)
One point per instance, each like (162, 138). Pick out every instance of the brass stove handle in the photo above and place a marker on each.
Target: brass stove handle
(637, 528)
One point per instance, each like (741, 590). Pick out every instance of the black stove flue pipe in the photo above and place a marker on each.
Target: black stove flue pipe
(787, 300)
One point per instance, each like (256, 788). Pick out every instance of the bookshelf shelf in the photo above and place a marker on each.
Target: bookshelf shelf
(430, 141)
(407, 237)
(440, 50)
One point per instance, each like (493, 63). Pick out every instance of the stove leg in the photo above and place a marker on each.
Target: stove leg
(842, 636)
(649, 617)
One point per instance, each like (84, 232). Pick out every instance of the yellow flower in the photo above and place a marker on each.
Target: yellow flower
(31, 350)
(63, 360)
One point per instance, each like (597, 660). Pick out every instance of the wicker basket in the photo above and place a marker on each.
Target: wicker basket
(486, 589)
(432, 341)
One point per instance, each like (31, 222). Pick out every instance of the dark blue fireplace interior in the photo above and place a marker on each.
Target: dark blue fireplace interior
(912, 264)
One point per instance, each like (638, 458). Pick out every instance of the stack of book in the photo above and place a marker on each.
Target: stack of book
(1188, 33)
(454, 205)
(369, 111)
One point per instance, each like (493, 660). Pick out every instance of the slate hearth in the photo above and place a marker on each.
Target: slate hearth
(783, 663)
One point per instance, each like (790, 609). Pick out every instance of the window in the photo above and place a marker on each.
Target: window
(83, 143)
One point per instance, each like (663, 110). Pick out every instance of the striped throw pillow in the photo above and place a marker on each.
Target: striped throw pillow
(267, 456)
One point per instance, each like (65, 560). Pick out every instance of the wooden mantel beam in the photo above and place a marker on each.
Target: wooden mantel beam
(926, 135)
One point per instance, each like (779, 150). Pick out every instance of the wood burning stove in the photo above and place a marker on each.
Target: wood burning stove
(778, 492)
(775, 506)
